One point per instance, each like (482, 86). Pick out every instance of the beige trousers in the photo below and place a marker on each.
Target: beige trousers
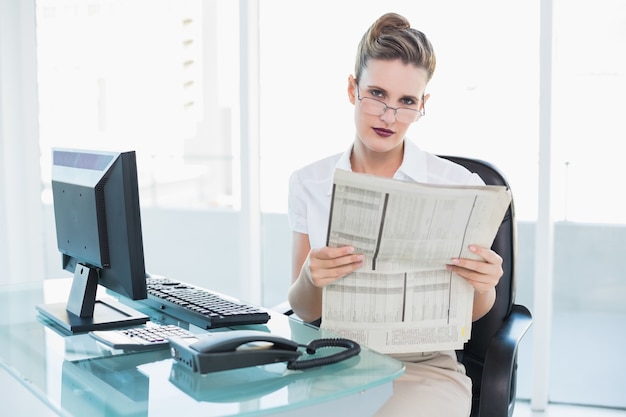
(433, 385)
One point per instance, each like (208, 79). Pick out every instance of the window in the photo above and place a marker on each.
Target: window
(158, 77)
(589, 83)
(161, 78)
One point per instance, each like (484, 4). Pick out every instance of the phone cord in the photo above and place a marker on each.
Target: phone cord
(352, 349)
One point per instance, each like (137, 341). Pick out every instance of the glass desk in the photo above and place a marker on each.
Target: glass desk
(76, 376)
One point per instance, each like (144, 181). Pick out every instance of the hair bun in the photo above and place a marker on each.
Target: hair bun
(387, 23)
(391, 37)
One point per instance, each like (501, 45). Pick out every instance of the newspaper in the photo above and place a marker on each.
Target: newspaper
(404, 299)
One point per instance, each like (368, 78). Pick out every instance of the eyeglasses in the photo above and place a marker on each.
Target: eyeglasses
(375, 107)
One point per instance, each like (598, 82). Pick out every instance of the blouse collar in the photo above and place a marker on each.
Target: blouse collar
(412, 168)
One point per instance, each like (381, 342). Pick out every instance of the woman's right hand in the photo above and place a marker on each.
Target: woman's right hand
(314, 269)
(326, 265)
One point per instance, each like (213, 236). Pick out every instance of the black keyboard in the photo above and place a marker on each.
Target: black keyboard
(200, 307)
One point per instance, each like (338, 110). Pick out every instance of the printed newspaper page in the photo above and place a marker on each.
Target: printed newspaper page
(403, 299)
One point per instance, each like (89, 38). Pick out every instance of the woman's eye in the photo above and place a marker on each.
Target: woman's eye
(376, 93)
(408, 102)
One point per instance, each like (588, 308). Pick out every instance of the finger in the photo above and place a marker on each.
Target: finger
(491, 263)
(487, 254)
(324, 276)
(344, 269)
(472, 266)
(325, 268)
(479, 282)
(331, 253)
(327, 258)
(476, 270)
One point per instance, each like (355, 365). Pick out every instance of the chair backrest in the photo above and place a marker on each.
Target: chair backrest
(505, 244)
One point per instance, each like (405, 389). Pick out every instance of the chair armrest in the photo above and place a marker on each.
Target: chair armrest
(500, 363)
(283, 308)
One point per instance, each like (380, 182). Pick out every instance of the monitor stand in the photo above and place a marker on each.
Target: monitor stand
(83, 313)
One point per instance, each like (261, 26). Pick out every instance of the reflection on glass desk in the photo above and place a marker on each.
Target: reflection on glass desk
(77, 376)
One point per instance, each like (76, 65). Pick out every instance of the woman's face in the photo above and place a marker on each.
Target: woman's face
(396, 84)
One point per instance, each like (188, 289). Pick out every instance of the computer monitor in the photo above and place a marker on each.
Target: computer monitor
(98, 227)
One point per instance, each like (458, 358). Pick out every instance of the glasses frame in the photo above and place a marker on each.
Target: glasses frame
(420, 112)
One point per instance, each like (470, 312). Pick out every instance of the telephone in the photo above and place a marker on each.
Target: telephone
(219, 351)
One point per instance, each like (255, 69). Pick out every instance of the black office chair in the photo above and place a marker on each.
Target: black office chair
(490, 356)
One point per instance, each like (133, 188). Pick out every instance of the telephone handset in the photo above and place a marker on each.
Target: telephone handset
(232, 349)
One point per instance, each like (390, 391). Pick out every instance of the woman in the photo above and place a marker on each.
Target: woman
(393, 67)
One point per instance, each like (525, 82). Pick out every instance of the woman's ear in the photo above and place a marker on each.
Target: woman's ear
(426, 97)
(351, 89)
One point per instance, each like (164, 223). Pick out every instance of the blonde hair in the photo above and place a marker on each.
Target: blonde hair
(391, 37)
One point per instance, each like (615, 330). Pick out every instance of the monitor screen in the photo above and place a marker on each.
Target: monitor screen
(98, 226)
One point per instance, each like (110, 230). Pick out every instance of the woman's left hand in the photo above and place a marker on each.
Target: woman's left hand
(483, 274)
